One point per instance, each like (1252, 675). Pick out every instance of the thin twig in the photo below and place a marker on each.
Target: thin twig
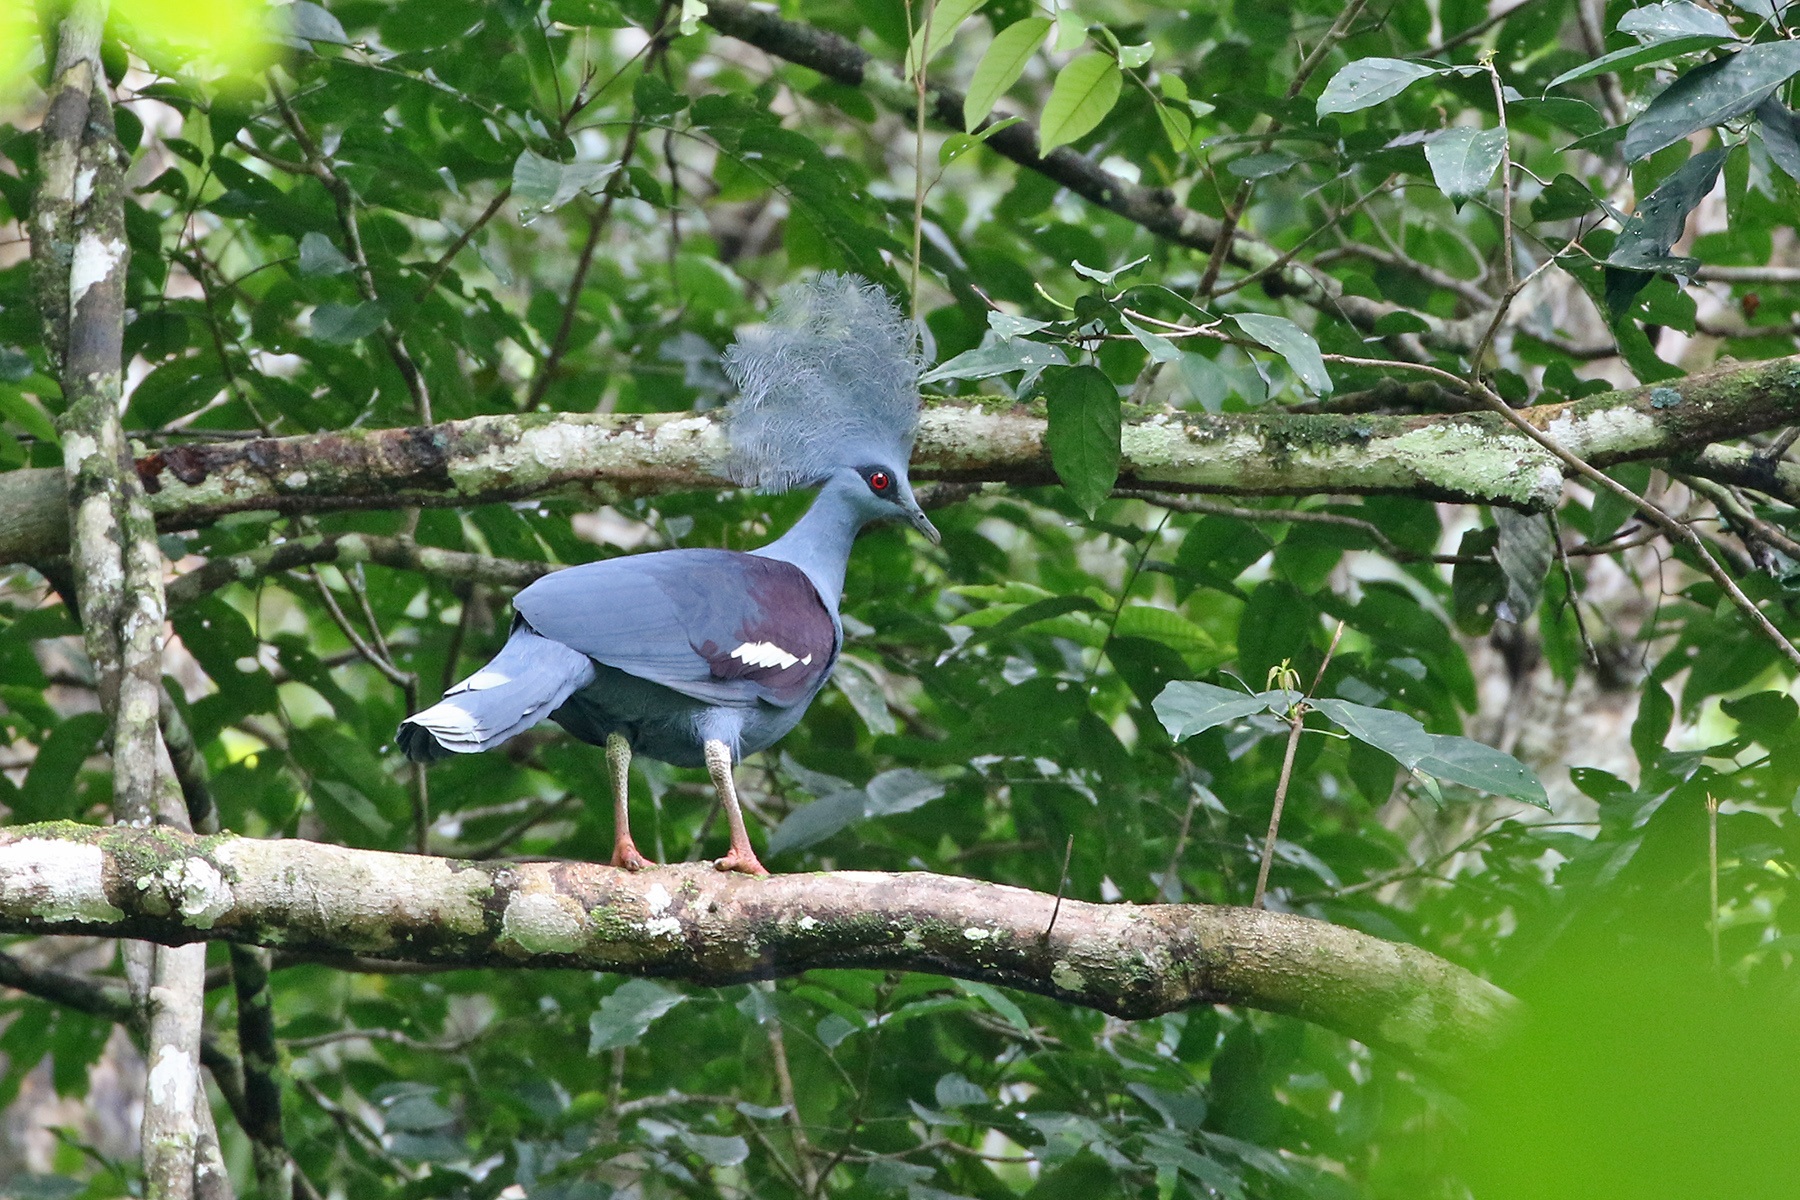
(1574, 599)
(1296, 726)
(1062, 883)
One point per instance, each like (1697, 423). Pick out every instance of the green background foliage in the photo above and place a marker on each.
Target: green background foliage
(994, 701)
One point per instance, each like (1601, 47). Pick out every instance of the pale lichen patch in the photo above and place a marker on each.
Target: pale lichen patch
(204, 894)
(55, 881)
(543, 923)
(172, 1080)
(93, 261)
(1067, 977)
(658, 899)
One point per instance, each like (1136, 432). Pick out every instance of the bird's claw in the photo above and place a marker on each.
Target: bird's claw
(627, 858)
(744, 862)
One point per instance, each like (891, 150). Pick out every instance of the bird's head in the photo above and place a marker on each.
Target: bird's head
(880, 492)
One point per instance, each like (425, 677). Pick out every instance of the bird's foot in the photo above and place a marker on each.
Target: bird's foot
(626, 857)
(743, 861)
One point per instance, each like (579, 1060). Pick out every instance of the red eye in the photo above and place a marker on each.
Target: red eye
(879, 481)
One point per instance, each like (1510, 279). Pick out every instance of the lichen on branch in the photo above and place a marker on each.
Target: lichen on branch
(694, 923)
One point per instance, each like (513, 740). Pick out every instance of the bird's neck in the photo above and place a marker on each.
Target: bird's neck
(819, 543)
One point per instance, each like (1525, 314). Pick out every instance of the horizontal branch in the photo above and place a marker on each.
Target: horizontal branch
(694, 923)
(1471, 457)
(347, 549)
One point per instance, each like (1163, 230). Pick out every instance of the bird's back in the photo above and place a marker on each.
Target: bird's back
(669, 648)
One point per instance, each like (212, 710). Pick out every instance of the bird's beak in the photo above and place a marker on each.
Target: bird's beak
(923, 524)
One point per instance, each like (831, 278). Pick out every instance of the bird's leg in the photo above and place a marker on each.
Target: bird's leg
(618, 765)
(740, 857)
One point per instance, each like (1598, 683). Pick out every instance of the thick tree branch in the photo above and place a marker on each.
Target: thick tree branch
(1472, 457)
(692, 922)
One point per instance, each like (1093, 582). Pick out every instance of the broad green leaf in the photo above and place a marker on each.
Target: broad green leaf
(900, 791)
(1367, 82)
(1177, 126)
(1651, 232)
(1638, 56)
(1565, 198)
(1474, 765)
(319, 256)
(1133, 57)
(1001, 65)
(1463, 160)
(1780, 127)
(955, 1091)
(1525, 550)
(941, 20)
(1111, 277)
(1161, 349)
(1673, 19)
(810, 823)
(627, 1014)
(1261, 166)
(1084, 433)
(1186, 707)
(1071, 30)
(865, 696)
(997, 1000)
(1710, 95)
(1396, 733)
(1084, 92)
(312, 23)
(1293, 344)
(541, 184)
(718, 1150)
(997, 358)
(341, 324)
(1576, 116)
(1162, 625)
(1030, 614)
(602, 14)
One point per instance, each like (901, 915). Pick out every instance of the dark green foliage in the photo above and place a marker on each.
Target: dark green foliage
(999, 698)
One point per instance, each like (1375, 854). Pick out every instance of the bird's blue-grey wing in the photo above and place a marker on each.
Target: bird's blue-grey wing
(720, 626)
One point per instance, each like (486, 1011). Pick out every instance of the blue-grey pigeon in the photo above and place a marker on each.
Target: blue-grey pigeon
(704, 656)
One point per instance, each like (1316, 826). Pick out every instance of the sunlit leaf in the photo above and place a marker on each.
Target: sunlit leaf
(1084, 92)
(1369, 81)
(1001, 65)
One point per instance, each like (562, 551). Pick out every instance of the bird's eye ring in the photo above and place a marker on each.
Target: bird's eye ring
(880, 481)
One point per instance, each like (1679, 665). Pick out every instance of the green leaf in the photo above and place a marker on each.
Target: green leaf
(541, 184)
(1161, 349)
(1186, 707)
(1162, 625)
(1710, 95)
(627, 1014)
(1780, 128)
(1474, 765)
(653, 97)
(49, 791)
(1395, 733)
(341, 324)
(1084, 433)
(955, 1091)
(601, 14)
(941, 20)
(1071, 30)
(812, 823)
(997, 358)
(1652, 231)
(1001, 65)
(1566, 197)
(1039, 610)
(1177, 126)
(1524, 550)
(1673, 19)
(1293, 344)
(1084, 92)
(1463, 160)
(319, 256)
(1637, 56)
(718, 1150)
(1368, 81)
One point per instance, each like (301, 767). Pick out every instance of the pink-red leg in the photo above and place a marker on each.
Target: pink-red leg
(741, 857)
(618, 765)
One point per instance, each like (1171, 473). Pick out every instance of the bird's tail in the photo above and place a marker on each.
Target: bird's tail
(526, 682)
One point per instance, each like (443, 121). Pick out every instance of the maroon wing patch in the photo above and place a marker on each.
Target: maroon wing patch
(786, 642)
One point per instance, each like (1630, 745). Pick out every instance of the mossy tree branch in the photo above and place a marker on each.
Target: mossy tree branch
(694, 923)
(1469, 457)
